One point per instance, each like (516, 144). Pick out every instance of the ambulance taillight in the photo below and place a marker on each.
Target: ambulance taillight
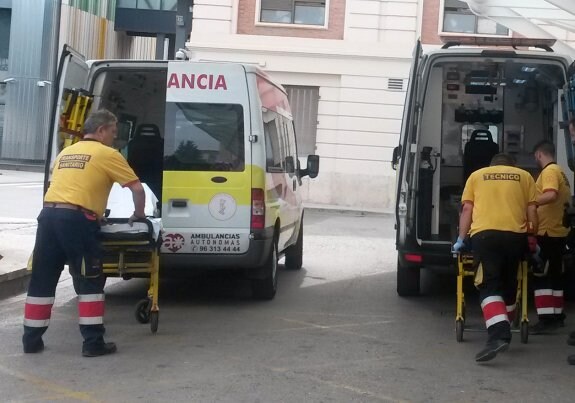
(258, 209)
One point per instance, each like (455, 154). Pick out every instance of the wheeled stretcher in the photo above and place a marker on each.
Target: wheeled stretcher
(467, 268)
(133, 251)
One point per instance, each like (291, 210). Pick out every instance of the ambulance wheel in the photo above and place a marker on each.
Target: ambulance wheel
(154, 319)
(265, 288)
(294, 254)
(524, 332)
(407, 280)
(143, 311)
(459, 324)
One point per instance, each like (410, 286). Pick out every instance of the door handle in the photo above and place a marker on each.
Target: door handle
(179, 203)
(294, 184)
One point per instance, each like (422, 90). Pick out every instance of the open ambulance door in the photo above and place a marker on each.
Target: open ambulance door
(402, 153)
(70, 105)
(568, 110)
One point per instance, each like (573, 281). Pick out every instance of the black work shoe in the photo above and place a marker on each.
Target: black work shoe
(571, 359)
(34, 348)
(104, 349)
(544, 327)
(571, 339)
(491, 349)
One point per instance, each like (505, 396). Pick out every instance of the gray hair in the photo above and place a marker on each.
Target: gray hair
(101, 117)
(503, 159)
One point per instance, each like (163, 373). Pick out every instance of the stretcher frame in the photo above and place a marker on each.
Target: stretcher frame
(466, 268)
(136, 256)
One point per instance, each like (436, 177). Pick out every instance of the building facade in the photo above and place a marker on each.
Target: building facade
(345, 66)
(344, 63)
(38, 29)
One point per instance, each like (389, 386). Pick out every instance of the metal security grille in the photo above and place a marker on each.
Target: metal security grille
(395, 84)
(304, 105)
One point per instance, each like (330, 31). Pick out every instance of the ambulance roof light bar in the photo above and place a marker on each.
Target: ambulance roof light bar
(450, 41)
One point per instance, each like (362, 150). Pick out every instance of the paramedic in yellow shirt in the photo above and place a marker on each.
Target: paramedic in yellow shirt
(68, 228)
(498, 211)
(553, 194)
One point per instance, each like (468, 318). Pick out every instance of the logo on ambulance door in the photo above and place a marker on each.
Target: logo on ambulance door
(222, 206)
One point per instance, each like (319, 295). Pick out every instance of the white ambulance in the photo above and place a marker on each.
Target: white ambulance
(215, 142)
(471, 99)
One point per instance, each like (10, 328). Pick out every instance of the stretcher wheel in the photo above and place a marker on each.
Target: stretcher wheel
(143, 310)
(524, 332)
(459, 330)
(154, 319)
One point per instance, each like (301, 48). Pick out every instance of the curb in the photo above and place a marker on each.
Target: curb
(346, 210)
(15, 282)
(15, 166)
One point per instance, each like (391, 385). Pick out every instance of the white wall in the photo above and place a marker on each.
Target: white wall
(387, 21)
(359, 118)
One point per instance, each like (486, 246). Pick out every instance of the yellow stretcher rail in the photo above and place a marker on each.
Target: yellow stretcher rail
(76, 107)
(136, 258)
(466, 268)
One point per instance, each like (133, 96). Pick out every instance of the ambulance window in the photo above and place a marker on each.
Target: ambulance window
(204, 137)
(273, 140)
(290, 147)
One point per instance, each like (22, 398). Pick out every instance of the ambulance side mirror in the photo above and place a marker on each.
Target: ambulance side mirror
(312, 168)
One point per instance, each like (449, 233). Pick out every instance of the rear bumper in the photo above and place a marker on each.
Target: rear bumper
(436, 258)
(182, 263)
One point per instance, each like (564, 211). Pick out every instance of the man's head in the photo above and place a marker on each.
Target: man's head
(544, 153)
(101, 126)
(503, 159)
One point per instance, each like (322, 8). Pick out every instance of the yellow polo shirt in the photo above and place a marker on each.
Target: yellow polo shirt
(553, 179)
(500, 195)
(84, 173)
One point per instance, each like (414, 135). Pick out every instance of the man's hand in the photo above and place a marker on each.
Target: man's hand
(458, 245)
(532, 242)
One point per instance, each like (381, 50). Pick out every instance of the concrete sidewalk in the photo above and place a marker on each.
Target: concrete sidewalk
(17, 227)
(16, 244)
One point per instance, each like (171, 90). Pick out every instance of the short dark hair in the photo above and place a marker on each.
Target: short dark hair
(101, 117)
(546, 147)
(503, 159)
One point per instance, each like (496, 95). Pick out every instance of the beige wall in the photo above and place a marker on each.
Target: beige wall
(359, 116)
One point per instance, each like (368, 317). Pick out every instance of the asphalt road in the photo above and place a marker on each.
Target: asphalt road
(336, 332)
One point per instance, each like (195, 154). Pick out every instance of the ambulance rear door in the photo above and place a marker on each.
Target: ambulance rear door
(402, 154)
(568, 112)
(70, 105)
(206, 199)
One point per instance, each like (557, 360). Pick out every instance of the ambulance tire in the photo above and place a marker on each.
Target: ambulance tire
(294, 254)
(265, 288)
(407, 280)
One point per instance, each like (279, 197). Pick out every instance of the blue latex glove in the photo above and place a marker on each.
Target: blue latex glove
(458, 244)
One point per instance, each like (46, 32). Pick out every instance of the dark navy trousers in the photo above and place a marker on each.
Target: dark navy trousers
(66, 236)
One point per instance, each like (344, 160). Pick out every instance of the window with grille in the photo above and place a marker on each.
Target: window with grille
(458, 18)
(306, 12)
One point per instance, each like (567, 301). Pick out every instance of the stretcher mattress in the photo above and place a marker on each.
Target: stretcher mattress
(120, 207)
(138, 231)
